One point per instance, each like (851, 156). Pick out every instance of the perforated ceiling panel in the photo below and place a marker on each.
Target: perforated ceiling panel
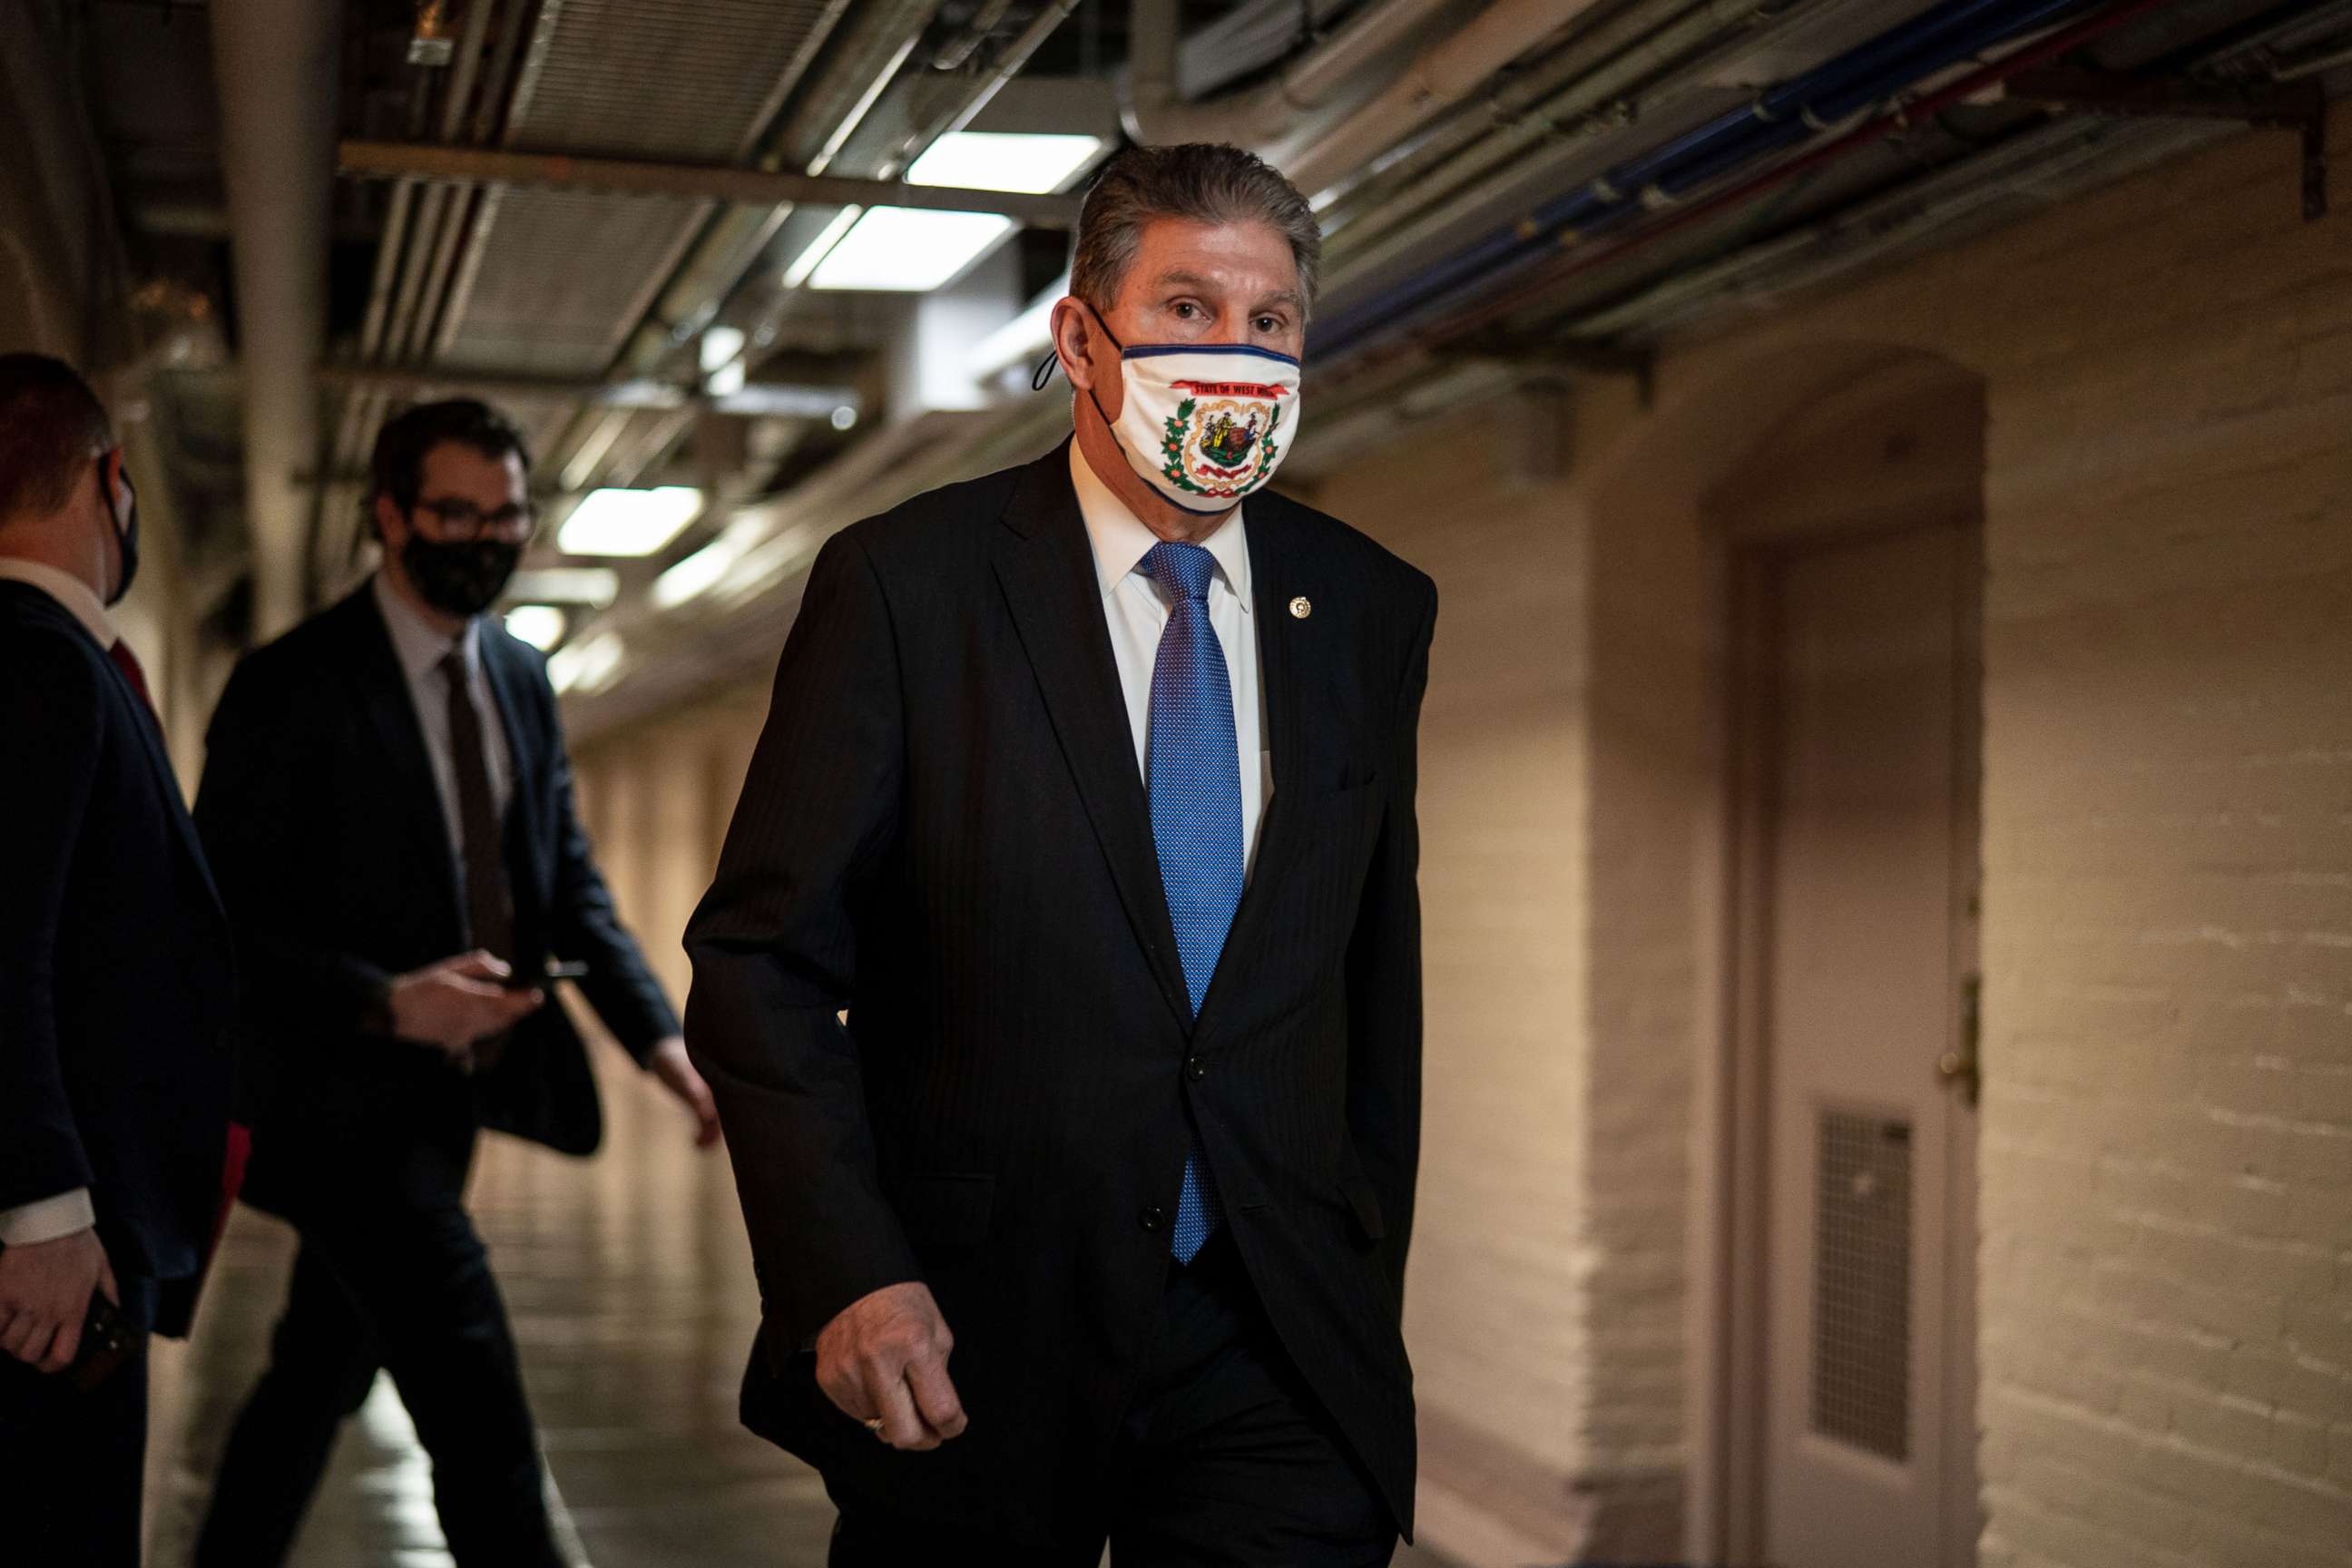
(562, 276)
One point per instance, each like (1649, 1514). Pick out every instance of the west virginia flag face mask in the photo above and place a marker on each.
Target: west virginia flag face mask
(1204, 424)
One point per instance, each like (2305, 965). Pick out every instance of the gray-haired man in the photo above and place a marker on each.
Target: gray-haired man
(1092, 801)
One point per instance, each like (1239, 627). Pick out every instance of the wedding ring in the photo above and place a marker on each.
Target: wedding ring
(873, 1424)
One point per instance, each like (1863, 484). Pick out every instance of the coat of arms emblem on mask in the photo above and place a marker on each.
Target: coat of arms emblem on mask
(1222, 447)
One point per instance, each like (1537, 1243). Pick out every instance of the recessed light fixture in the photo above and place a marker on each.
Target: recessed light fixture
(908, 250)
(628, 522)
(588, 665)
(541, 625)
(597, 585)
(1004, 161)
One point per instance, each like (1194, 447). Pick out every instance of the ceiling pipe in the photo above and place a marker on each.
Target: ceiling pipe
(276, 64)
(1156, 114)
(1519, 291)
(463, 166)
(1447, 72)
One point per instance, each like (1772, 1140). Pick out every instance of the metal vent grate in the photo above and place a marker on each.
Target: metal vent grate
(1861, 1284)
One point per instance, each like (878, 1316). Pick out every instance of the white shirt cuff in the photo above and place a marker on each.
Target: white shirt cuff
(48, 1219)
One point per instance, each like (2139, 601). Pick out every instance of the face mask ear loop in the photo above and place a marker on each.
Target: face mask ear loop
(1044, 370)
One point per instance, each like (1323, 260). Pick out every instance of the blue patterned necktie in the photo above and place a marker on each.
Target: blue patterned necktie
(1196, 812)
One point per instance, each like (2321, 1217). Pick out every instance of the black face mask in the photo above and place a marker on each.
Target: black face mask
(126, 529)
(462, 579)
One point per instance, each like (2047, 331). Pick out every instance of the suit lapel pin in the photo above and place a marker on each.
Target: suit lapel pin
(1300, 608)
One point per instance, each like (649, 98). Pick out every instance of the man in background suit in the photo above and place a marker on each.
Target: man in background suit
(1091, 798)
(116, 990)
(389, 806)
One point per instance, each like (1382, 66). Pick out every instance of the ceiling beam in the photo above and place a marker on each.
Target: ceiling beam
(433, 161)
(777, 399)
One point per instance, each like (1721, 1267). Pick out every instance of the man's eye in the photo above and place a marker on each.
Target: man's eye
(1187, 310)
(1269, 323)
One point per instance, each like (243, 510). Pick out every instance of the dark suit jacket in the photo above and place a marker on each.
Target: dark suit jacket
(944, 831)
(117, 989)
(319, 810)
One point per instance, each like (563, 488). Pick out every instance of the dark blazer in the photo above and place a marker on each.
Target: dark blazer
(117, 989)
(945, 832)
(319, 811)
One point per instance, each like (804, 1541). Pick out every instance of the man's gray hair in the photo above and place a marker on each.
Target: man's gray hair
(1205, 182)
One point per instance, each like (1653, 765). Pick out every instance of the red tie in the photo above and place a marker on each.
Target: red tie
(127, 663)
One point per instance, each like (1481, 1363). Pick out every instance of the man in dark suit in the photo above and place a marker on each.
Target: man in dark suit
(116, 991)
(1087, 790)
(388, 804)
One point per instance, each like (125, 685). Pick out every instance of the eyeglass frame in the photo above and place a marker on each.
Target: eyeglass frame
(512, 520)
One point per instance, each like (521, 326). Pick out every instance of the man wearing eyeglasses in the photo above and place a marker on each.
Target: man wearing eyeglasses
(388, 807)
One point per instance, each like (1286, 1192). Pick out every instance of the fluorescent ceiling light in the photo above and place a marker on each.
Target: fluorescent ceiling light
(628, 522)
(821, 247)
(720, 344)
(726, 380)
(1004, 161)
(702, 571)
(908, 250)
(597, 585)
(541, 625)
(587, 666)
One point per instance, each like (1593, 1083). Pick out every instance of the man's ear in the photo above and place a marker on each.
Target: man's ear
(390, 527)
(1087, 358)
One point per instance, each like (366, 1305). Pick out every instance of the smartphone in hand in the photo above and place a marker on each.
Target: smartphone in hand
(553, 972)
(107, 1341)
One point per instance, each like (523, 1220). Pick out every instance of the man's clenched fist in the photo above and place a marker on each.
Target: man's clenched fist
(886, 1356)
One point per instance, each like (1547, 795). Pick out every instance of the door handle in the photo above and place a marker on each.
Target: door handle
(1961, 1066)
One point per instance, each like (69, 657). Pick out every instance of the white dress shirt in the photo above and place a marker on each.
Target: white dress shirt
(46, 1219)
(1137, 615)
(420, 648)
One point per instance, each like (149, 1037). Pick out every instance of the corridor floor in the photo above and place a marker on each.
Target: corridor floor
(629, 1283)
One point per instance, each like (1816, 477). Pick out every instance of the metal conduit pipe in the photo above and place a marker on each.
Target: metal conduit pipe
(1845, 144)
(1580, 96)
(1256, 117)
(1447, 72)
(276, 63)
(1781, 117)
(974, 96)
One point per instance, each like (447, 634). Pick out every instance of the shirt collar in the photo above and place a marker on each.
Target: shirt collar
(420, 646)
(1121, 541)
(67, 590)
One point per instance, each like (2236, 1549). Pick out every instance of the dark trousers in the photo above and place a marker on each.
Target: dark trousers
(72, 1466)
(1224, 1459)
(395, 1278)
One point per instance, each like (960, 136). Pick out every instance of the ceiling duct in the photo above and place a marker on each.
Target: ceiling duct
(1258, 117)
(278, 64)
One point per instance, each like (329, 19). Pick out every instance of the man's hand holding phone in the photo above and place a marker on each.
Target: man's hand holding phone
(45, 1295)
(459, 1001)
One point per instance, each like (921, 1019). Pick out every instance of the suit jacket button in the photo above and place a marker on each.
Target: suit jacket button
(1153, 1218)
(1195, 1069)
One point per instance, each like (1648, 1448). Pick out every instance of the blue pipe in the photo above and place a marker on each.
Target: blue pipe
(1869, 73)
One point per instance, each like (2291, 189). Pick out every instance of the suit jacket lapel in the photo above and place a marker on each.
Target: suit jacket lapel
(507, 678)
(151, 733)
(391, 713)
(1047, 568)
(1279, 830)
